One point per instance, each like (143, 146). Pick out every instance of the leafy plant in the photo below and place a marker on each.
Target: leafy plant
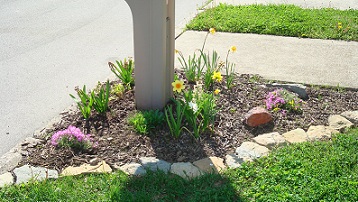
(100, 99)
(174, 121)
(193, 69)
(144, 121)
(118, 90)
(72, 137)
(283, 100)
(85, 103)
(124, 71)
(211, 64)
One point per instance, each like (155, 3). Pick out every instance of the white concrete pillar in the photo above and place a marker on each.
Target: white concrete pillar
(154, 35)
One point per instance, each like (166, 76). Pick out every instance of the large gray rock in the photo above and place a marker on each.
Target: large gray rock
(9, 161)
(320, 132)
(251, 150)
(210, 165)
(270, 140)
(299, 89)
(133, 169)
(296, 136)
(154, 164)
(26, 173)
(185, 170)
(6, 179)
(339, 123)
(233, 161)
(351, 116)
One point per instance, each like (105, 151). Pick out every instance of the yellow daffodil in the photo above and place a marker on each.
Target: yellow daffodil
(217, 91)
(178, 86)
(212, 30)
(233, 49)
(217, 76)
(176, 51)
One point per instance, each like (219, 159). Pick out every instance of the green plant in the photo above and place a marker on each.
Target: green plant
(144, 121)
(85, 103)
(72, 137)
(211, 64)
(229, 69)
(118, 90)
(193, 69)
(101, 99)
(175, 121)
(124, 71)
(283, 101)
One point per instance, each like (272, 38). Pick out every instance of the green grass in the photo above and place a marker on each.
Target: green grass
(319, 171)
(282, 20)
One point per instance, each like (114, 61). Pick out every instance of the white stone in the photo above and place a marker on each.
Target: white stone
(233, 161)
(185, 170)
(30, 142)
(133, 169)
(251, 150)
(6, 179)
(27, 173)
(210, 165)
(155, 164)
(351, 116)
(339, 123)
(101, 167)
(320, 132)
(270, 140)
(296, 136)
(9, 161)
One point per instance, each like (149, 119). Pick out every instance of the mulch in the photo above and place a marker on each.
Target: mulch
(118, 143)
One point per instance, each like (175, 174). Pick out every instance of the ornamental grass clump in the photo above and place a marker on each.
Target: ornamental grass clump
(281, 100)
(73, 138)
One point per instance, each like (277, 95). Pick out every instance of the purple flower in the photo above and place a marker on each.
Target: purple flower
(72, 134)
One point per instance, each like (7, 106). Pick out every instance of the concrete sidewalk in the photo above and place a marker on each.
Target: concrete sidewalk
(309, 61)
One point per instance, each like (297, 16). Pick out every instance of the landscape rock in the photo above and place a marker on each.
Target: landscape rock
(9, 161)
(233, 161)
(185, 170)
(251, 150)
(210, 164)
(154, 164)
(296, 136)
(26, 173)
(299, 89)
(30, 142)
(270, 140)
(257, 116)
(352, 116)
(6, 179)
(133, 169)
(339, 123)
(320, 132)
(101, 167)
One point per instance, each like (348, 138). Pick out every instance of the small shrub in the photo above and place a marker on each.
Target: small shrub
(144, 121)
(283, 101)
(72, 137)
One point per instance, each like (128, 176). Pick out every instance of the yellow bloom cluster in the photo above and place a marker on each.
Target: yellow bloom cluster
(217, 76)
(212, 30)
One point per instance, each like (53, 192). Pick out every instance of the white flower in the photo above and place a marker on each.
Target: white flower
(193, 106)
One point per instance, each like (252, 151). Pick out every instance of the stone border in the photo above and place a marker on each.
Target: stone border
(260, 145)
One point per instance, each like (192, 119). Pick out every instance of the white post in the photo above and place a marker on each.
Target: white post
(153, 24)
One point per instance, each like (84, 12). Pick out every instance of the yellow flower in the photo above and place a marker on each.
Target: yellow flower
(233, 49)
(217, 91)
(178, 85)
(339, 25)
(212, 30)
(217, 76)
(176, 51)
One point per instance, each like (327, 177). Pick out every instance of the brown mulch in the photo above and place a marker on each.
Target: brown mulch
(118, 143)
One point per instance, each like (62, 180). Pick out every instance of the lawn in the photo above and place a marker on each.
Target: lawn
(282, 20)
(311, 171)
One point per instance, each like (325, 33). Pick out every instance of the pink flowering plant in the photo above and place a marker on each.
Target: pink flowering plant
(281, 100)
(72, 137)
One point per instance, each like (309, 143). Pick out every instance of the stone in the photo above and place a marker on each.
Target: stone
(185, 170)
(339, 123)
(233, 161)
(320, 132)
(30, 142)
(270, 140)
(154, 164)
(251, 150)
(352, 116)
(210, 165)
(9, 161)
(101, 167)
(299, 89)
(6, 179)
(26, 173)
(133, 169)
(257, 116)
(296, 136)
